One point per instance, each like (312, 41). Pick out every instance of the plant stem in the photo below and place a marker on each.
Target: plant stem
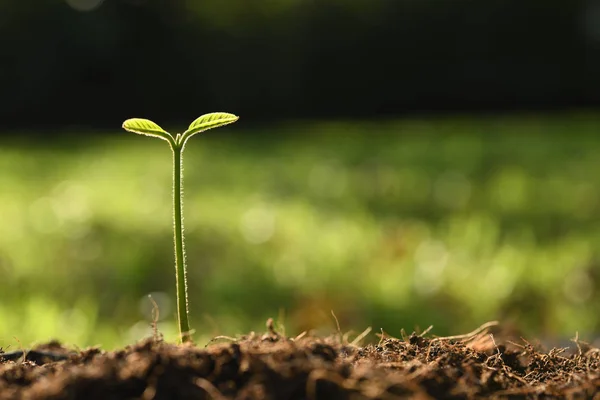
(180, 268)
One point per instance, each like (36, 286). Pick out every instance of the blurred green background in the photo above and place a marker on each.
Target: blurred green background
(402, 163)
(390, 223)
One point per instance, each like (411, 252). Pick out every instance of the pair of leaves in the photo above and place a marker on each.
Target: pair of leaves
(207, 121)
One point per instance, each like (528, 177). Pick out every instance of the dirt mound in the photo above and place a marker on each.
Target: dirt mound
(306, 367)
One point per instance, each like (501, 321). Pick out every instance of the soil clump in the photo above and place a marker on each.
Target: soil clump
(270, 366)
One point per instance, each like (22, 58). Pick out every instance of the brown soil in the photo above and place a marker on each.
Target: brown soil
(270, 366)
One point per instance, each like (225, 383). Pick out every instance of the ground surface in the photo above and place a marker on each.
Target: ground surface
(271, 366)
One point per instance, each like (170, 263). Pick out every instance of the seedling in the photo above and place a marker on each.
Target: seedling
(177, 143)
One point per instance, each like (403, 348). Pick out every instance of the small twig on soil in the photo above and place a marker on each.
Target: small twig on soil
(221, 337)
(495, 357)
(469, 335)
(155, 315)
(516, 344)
(337, 324)
(360, 337)
(576, 341)
(426, 331)
(300, 336)
(381, 337)
(495, 345)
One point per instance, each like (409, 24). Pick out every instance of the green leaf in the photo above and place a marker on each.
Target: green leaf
(146, 127)
(207, 121)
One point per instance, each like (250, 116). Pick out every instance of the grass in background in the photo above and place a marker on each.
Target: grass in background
(450, 222)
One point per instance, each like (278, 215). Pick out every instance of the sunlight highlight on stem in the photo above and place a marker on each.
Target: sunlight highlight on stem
(177, 144)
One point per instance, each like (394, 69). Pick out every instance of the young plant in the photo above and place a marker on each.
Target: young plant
(177, 143)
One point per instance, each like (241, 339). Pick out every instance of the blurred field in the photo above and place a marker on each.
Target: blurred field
(393, 224)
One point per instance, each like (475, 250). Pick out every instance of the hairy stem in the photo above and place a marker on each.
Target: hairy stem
(180, 267)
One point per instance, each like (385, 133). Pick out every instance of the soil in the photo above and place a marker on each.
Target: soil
(478, 365)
